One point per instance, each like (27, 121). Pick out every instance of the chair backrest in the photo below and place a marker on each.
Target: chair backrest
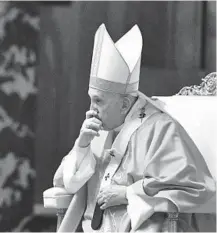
(195, 108)
(208, 87)
(198, 115)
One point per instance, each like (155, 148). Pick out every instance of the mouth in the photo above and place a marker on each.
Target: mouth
(98, 117)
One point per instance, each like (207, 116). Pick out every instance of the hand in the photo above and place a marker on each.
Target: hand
(89, 128)
(112, 195)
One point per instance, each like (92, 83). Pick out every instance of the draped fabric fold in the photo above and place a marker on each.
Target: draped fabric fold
(75, 170)
(175, 179)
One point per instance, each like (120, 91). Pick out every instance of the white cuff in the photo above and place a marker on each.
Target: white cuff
(79, 166)
(138, 209)
(80, 153)
(141, 206)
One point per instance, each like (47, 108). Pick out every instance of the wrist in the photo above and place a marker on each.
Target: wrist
(81, 144)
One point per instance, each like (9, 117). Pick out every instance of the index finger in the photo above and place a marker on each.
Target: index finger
(91, 113)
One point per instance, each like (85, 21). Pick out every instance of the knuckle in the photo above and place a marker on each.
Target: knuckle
(87, 120)
(96, 120)
(82, 130)
(94, 132)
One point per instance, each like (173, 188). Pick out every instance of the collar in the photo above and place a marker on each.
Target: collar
(131, 124)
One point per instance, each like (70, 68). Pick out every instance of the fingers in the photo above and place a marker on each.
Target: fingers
(92, 125)
(91, 113)
(90, 128)
(103, 197)
(100, 200)
(103, 202)
(104, 206)
(95, 120)
(90, 132)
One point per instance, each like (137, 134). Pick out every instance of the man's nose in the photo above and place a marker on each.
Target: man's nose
(92, 107)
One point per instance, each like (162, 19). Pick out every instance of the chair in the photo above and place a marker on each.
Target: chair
(188, 99)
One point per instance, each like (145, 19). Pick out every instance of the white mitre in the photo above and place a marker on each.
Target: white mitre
(116, 66)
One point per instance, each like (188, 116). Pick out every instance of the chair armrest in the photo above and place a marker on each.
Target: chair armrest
(173, 217)
(57, 198)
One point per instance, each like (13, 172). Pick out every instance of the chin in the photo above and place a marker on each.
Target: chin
(106, 128)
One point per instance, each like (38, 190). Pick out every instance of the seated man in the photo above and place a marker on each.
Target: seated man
(134, 159)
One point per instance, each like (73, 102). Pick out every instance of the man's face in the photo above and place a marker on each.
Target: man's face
(109, 107)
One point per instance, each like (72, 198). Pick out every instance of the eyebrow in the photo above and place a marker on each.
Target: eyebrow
(95, 96)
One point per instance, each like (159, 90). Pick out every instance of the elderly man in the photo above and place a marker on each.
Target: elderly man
(134, 159)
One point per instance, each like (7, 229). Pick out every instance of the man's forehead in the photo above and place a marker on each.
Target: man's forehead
(96, 93)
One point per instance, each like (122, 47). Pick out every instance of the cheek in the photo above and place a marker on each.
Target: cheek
(111, 112)
(104, 112)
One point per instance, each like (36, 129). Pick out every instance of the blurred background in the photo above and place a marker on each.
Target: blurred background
(46, 50)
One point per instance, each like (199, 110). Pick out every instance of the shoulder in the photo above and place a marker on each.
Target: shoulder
(159, 121)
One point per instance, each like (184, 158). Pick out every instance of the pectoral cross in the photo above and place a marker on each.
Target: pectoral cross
(107, 176)
(142, 113)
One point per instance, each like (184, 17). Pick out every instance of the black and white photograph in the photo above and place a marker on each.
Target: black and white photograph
(108, 116)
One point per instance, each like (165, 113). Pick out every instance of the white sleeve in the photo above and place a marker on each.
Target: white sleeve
(78, 167)
(58, 176)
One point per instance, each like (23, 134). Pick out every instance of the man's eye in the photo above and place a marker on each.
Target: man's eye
(98, 101)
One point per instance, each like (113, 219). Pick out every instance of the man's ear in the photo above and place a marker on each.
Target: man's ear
(125, 105)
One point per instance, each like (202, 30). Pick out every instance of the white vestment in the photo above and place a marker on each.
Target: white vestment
(157, 161)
